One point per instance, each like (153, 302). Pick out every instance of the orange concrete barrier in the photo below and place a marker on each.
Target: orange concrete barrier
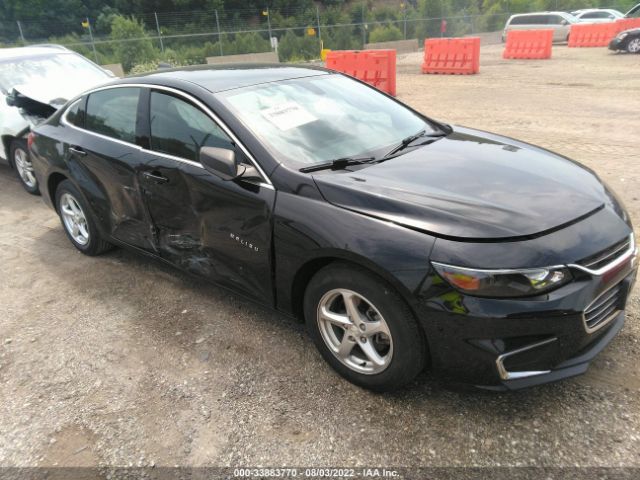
(627, 24)
(528, 44)
(375, 67)
(592, 34)
(458, 56)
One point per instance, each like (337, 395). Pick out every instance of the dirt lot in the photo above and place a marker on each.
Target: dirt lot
(119, 360)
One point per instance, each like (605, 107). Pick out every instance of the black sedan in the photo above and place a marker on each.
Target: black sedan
(628, 40)
(403, 242)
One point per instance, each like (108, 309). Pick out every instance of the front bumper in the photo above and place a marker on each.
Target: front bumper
(616, 45)
(508, 344)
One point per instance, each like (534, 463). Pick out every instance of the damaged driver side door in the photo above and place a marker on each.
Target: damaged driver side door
(208, 226)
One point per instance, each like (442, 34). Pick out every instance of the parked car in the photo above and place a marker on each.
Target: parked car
(597, 15)
(34, 83)
(403, 242)
(628, 40)
(559, 22)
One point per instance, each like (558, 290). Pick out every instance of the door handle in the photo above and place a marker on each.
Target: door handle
(155, 177)
(77, 150)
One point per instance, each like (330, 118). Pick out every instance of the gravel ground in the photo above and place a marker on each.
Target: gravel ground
(120, 360)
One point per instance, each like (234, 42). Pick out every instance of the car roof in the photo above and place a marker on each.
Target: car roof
(22, 52)
(539, 13)
(217, 78)
(587, 10)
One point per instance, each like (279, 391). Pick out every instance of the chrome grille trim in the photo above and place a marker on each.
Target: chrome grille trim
(606, 256)
(621, 258)
(603, 309)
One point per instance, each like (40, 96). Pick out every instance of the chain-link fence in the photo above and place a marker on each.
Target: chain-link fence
(189, 37)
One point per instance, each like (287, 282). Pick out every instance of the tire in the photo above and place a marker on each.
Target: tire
(399, 344)
(78, 221)
(21, 163)
(633, 45)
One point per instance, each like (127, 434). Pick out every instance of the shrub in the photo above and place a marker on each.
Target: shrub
(385, 33)
(292, 48)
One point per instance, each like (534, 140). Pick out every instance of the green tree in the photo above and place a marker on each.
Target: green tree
(132, 43)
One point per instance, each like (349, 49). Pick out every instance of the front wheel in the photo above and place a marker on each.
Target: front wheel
(21, 162)
(77, 220)
(363, 328)
(634, 45)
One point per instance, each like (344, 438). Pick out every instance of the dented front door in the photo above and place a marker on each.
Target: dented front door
(214, 228)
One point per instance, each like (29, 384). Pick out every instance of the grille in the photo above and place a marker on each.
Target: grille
(603, 308)
(606, 256)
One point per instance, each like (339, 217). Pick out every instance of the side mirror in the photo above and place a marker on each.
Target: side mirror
(219, 161)
(222, 163)
(564, 22)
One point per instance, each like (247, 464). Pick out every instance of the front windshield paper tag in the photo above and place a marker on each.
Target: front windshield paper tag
(288, 115)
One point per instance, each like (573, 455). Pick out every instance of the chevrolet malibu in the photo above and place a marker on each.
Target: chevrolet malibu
(404, 243)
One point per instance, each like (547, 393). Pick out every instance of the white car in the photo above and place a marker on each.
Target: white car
(597, 15)
(34, 83)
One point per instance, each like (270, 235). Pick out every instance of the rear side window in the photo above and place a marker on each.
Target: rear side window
(529, 20)
(597, 15)
(179, 128)
(113, 113)
(75, 114)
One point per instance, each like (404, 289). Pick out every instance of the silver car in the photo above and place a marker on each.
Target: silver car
(559, 22)
(597, 15)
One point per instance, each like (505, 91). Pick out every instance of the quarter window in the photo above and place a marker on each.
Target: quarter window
(113, 113)
(180, 129)
(75, 114)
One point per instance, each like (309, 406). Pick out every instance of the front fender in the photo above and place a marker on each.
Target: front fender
(312, 231)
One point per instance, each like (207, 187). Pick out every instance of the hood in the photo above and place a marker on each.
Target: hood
(470, 185)
(57, 93)
(39, 100)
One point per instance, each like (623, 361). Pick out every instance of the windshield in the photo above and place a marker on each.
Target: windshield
(60, 68)
(322, 118)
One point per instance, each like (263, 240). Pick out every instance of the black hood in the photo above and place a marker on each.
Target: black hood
(471, 185)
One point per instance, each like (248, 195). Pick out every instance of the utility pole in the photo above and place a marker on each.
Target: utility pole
(219, 34)
(159, 32)
(364, 28)
(269, 25)
(20, 30)
(95, 54)
(318, 22)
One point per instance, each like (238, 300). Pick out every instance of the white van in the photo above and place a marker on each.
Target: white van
(559, 22)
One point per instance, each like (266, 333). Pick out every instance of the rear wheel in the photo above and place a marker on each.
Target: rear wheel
(363, 328)
(77, 220)
(634, 45)
(22, 164)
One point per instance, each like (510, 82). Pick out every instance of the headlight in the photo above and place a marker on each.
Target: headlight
(622, 35)
(503, 283)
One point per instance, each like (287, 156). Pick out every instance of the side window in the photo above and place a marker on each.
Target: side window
(179, 128)
(75, 113)
(113, 113)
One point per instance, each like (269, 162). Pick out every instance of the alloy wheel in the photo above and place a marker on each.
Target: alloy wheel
(354, 331)
(74, 219)
(634, 46)
(24, 167)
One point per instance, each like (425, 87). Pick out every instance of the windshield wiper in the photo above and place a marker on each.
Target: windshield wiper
(412, 138)
(338, 164)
